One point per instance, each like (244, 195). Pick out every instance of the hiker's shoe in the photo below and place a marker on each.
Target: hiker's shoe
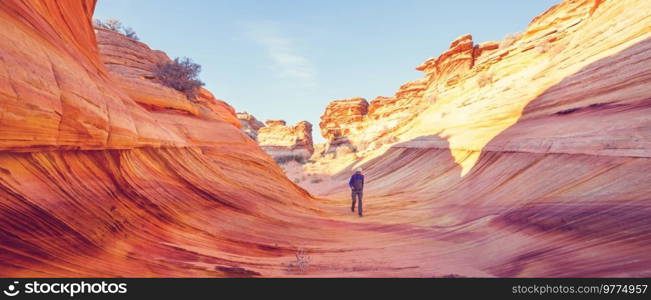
(360, 216)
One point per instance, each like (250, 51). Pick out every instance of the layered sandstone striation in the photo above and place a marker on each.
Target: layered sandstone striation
(521, 158)
(532, 149)
(132, 65)
(285, 143)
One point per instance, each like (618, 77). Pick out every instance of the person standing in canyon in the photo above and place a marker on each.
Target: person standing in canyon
(356, 184)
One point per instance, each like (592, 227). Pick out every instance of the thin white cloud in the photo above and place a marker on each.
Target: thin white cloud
(287, 62)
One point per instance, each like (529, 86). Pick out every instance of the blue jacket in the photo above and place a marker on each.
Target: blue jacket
(356, 182)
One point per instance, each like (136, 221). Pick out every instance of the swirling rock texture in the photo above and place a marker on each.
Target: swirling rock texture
(284, 142)
(249, 124)
(104, 172)
(530, 152)
(523, 159)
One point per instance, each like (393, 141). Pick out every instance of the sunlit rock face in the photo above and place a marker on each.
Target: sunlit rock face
(473, 92)
(539, 168)
(536, 144)
(285, 143)
(249, 124)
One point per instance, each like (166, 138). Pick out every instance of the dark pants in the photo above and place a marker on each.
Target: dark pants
(358, 194)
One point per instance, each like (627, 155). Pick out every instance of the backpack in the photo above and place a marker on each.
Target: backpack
(358, 182)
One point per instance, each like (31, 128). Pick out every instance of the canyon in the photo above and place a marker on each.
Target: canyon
(515, 158)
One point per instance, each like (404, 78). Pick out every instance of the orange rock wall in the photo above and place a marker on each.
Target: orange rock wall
(532, 153)
(104, 172)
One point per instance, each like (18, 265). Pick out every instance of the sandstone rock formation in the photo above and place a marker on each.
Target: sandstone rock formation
(472, 92)
(339, 122)
(529, 159)
(163, 170)
(132, 64)
(285, 143)
(532, 150)
(249, 124)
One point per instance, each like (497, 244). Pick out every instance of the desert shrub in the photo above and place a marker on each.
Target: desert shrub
(180, 74)
(485, 79)
(131, 34)
(116, 25)
(316, 180)
(110, 24)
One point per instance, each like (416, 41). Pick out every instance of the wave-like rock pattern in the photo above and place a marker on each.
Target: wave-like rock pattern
(104, 172)
(537, 170)
(284, 142)
(531, 152)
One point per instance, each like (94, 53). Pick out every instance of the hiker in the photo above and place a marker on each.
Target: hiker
(356, 184)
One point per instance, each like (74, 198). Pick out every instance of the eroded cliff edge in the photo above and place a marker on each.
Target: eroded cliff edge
(574, 64)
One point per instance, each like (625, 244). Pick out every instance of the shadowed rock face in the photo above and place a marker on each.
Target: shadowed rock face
(284, 143)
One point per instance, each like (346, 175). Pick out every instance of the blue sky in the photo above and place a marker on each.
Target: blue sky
(287, 59)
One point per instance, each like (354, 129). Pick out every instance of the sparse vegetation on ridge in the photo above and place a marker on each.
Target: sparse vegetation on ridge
(116, 25)
(181, 74)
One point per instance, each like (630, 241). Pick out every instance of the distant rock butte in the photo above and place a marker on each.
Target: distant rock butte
(132, 65)
(340, 121)
(284, 142)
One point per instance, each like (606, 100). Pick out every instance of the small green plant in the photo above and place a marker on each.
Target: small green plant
(116, 25)
(181, 74)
